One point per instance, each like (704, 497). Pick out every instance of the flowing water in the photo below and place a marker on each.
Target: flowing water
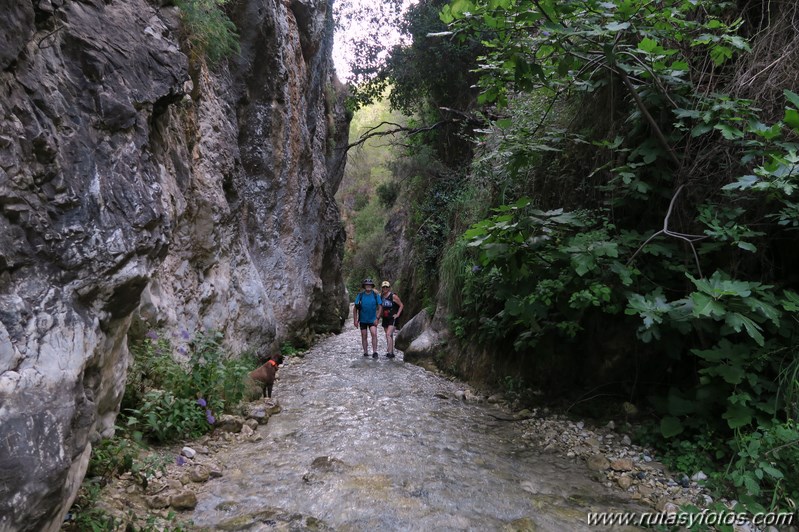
(369, 445)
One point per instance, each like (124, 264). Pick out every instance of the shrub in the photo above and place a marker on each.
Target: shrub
(209, 31)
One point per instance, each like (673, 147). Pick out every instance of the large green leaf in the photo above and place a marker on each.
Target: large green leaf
(792, 97)
(704, 305)
(678, 405)
(738, 321)
(738, 415)
(670, 426)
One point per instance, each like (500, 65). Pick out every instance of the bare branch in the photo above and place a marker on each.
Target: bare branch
(665, 231)
(372, 132)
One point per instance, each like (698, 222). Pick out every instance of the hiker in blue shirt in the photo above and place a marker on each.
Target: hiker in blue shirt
(367, 303)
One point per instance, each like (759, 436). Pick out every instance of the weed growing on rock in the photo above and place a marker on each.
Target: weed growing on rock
(209, 31)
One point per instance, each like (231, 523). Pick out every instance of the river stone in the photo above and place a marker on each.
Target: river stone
(199, 474)
(158, 501)
(184, 500)
(624, 482)
(597, 462)
(188, 452)
(229, 423)
(622, 464)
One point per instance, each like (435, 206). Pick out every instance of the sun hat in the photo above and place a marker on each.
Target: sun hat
(385, 283)
(367, 281)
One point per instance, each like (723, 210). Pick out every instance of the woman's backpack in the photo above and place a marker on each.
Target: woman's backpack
(388, 305)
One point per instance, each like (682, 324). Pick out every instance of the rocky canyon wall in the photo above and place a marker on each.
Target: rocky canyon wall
(138, 187)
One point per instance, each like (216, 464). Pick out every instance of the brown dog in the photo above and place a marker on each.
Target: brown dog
(265, 375)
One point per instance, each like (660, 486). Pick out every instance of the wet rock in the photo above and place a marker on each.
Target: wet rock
(496, 398)
(199, 474)
(184, 500)
(523, 524)
(246, 431)
(472, 397)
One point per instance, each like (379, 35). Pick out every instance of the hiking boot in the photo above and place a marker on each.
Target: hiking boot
(389, 355)
(366, 354)
(374, 355)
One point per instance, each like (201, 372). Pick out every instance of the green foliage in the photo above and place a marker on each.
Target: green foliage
(538, 273)
(112, 456)
(209, 31)
(637, 112)
(85, 514)
(766, 458)
(163, 418)
(166, 400)
(288, 349)
(387, 193)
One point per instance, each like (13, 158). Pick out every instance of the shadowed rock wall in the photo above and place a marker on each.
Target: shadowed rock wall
(135, 187)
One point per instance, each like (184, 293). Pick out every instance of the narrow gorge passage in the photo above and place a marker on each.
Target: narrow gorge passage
(365, 444)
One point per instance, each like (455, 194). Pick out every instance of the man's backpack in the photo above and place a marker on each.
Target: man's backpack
(359, 297)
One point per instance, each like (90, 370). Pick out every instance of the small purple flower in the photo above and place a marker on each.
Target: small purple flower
(202, 402)
(210, 417)
(182, 350)
(152, 335)
(476, 268)
(185, 334)
(180, 460)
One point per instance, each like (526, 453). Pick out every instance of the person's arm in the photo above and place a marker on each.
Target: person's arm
(399, 302)
(355, 311)
(378, 307)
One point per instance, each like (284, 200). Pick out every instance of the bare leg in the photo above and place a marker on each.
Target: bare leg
(373, 330)
(390, 338)
(364, 341)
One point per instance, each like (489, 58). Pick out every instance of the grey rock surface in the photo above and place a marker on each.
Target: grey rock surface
(139, 190)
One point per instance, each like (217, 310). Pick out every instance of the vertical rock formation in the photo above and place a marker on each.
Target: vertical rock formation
(135, 186)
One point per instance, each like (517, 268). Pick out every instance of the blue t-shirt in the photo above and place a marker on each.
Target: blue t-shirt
(369, 305)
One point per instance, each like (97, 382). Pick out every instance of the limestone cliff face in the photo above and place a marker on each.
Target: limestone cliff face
(137, 188)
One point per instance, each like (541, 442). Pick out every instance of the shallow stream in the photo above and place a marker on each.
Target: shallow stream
(368, 445)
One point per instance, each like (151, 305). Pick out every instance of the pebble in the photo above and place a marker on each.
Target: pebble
(188, 452)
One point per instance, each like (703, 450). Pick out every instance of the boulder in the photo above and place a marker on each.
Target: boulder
(412, 330)
(423, 348)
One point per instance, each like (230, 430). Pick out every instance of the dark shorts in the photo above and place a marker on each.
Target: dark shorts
(391, 320)
(365, 326)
